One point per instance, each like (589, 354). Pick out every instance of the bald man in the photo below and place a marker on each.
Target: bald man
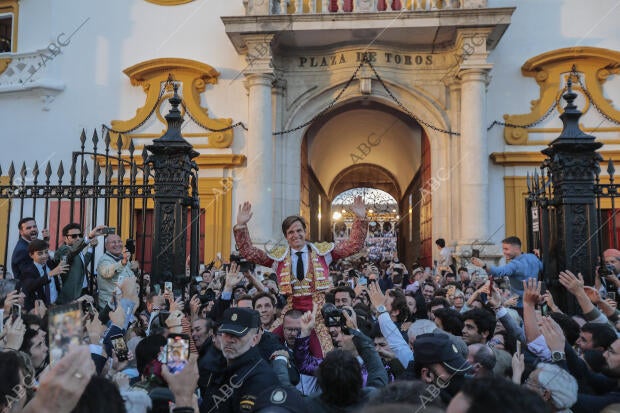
(112, 268)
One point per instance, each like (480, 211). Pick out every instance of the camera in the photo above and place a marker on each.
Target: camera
(333, 317)
(130, 246)
(244, 265)
(208, 295)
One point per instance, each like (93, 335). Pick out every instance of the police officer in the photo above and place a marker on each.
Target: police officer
(246, 374)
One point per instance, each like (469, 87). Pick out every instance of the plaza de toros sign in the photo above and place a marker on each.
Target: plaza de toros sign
(391, 58)
(387, 58)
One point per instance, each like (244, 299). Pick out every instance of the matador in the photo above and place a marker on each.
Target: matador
(302, 267)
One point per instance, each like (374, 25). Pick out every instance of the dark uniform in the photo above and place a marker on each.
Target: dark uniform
(243, 378)
(242, 381)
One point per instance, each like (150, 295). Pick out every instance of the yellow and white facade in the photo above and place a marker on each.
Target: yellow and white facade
(448, 70)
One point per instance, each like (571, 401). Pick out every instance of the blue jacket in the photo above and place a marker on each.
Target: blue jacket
(520, 268)
(20, 258)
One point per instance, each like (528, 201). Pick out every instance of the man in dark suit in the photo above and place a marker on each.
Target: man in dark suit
(38, 281)
(72, 252)
(28, 231)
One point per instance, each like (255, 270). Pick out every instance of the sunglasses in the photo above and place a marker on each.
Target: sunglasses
(74, 236)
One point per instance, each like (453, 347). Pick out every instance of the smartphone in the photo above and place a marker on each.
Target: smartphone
(544, 310)
(1, 320)
(108, 231)
(89, 310)
(475, 253)
(612, 295)
(518, 347)
(168, 287)
(16, 312)
(120, 347)
(491, 285)
(177, 352)
(64, 329)
(157, 288)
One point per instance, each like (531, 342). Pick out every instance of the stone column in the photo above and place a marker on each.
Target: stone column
(279, 152)
(474, 157)
(474, 160)
(455, 177)
(257, 183)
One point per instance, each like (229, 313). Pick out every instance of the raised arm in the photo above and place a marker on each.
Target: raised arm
(358, 232)
(531, 296)
(574, 285)
(243, 240)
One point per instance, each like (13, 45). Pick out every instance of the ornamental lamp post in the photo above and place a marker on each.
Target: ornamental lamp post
(171, 157)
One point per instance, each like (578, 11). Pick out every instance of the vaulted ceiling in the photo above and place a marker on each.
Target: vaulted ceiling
(364, 143)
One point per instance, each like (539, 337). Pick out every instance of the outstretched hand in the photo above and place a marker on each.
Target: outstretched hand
(572, 283)
(553, 334)
(244, 214)
(233, 276)
(531, 291)
(62, 385)
(359, 208)
(376, 296)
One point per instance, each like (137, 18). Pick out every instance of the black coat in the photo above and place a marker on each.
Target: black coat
(243, 379)
(32, 284)
(20, 258)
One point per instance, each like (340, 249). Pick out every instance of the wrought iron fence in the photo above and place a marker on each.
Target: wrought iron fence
(571, 213)
(94, 180)
(150, 198)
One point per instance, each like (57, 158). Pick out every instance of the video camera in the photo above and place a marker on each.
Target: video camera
(244, 265)
(333, 317)
(208, 295)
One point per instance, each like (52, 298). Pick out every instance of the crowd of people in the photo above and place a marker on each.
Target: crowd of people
(309, 335)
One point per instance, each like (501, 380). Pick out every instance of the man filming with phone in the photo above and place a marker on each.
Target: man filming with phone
(112, 268)
(522, 266)
(72, 252)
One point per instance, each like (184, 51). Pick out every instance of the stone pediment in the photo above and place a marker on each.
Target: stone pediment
(411, 29)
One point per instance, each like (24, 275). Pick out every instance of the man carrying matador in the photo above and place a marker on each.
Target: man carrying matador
(302, 267)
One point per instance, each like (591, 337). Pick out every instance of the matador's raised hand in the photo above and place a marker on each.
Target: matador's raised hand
(244, 214)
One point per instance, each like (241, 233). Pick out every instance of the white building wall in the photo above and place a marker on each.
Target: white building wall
(120, 33)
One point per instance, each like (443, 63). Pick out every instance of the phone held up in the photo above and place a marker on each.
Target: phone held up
(64, 329)
(120, 347)
(177, 352)
(16, 312)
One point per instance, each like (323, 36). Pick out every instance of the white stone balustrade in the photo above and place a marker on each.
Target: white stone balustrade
(29, 73)
(24, 68)
(263, 7)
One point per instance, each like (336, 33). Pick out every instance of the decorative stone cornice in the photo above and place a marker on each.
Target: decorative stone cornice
(194, 76)
(551, 70)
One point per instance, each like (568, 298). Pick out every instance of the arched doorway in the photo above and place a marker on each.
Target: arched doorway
(383, 216)
(365, 143)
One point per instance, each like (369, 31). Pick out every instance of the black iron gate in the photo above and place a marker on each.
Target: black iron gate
(565, 221)
(114, 186)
